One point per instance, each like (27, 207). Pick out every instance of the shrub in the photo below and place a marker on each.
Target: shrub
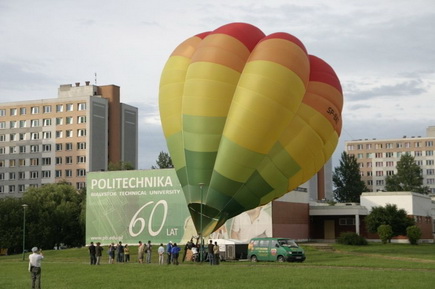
(385, 233)
(414, 234)
(351, 238)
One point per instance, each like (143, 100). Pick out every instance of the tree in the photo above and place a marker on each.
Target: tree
(414, 234)
(408, 177)
(120, 166)
(53, 216)
(347, 180)
(389, 215)
(11, 224)
(163, 161)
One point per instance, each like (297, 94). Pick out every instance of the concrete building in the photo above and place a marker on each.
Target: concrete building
(378, 158)
(50, 140)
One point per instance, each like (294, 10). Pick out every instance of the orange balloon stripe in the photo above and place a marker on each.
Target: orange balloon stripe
(283, 52)
(326, 108)
(188, 47)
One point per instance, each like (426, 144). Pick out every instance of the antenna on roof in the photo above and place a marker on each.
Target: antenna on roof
(95, 78)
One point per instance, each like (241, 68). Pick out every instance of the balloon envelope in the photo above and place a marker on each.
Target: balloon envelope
(247, 118)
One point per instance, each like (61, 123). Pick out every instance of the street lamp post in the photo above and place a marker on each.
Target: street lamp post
(24, 227)
(201, 186)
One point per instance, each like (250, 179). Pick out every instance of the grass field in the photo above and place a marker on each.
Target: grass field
(373, 266)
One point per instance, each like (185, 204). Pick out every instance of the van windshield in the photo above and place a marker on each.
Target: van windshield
(287, 243)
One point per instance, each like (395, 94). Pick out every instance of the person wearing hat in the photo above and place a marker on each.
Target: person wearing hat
(35, 267)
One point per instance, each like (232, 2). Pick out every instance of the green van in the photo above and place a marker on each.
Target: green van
(275, 249)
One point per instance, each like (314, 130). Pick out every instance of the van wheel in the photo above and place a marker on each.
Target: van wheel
(254, 258)
(280, 259)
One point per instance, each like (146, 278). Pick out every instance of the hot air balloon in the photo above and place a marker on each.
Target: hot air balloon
(247, 118)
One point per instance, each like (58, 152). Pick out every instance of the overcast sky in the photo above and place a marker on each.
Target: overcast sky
(383, 51)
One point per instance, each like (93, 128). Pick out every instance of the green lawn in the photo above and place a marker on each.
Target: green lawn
(373, 266)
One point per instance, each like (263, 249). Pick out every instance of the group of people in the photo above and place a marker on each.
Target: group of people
(121, 253)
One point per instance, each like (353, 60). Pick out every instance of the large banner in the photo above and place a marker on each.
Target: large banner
(133, 206)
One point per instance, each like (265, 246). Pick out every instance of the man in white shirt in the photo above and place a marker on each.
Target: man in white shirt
(35, 267)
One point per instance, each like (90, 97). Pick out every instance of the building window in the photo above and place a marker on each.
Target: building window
(21, 175)
(59, 134)
(81, 106)
(22, 136)
(46, 147)
(46, 174)
(69, 133)
(22, 149)
(418, 153)
(46, 109)
(59, 108)
(379, 182)
(430, 171)
(2, 124)
(389, 164)
(68, 160)
(81, 132)
(69, 107)
(58, 173)
(12, 176)
(12, 163)
(81, 159)
(429, 143)
(80, 185)
(22, 110)
(13, 111)
(13, 124)
(360, 156)
(21, 188)
(11, 189)
(390, 173)
(12, 150)
(417, 144)
(12, 137)
(68, 173)
(429, 162)
(34, 136)
(46, 161)
(389, 155)
(69, 120)
(34, 110)
(419, 162)
(58, 147)
(429, 153)
(69, 146)
(58, 160)
(22, 162)
(378, 155)
(346, 221)
(2, 176)
(430, 181)
(378, 146)
(34, 175)
(2, 112)
(46, 135)
(81, 145)
(22, 123)
(81, 119)
(379, 164)
(46, 122)
(59, 121)
(399, 145)
(81, 172)
(389, 146)
(34, 162)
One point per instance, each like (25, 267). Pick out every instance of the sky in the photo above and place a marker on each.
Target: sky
(382, 51)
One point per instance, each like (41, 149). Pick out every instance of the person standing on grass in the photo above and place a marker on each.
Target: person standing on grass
(140, 252)
(148, 251)
(98, 252)
(120, 253)
(175, 252)
(112, 249)
(92, 253)
(161, 252)
(126, 253)
(216, 254)
(35, 267)
(210, 252)
(169, 252)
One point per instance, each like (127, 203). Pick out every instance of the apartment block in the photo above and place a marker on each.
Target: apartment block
(61, 139)
(377, 159)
